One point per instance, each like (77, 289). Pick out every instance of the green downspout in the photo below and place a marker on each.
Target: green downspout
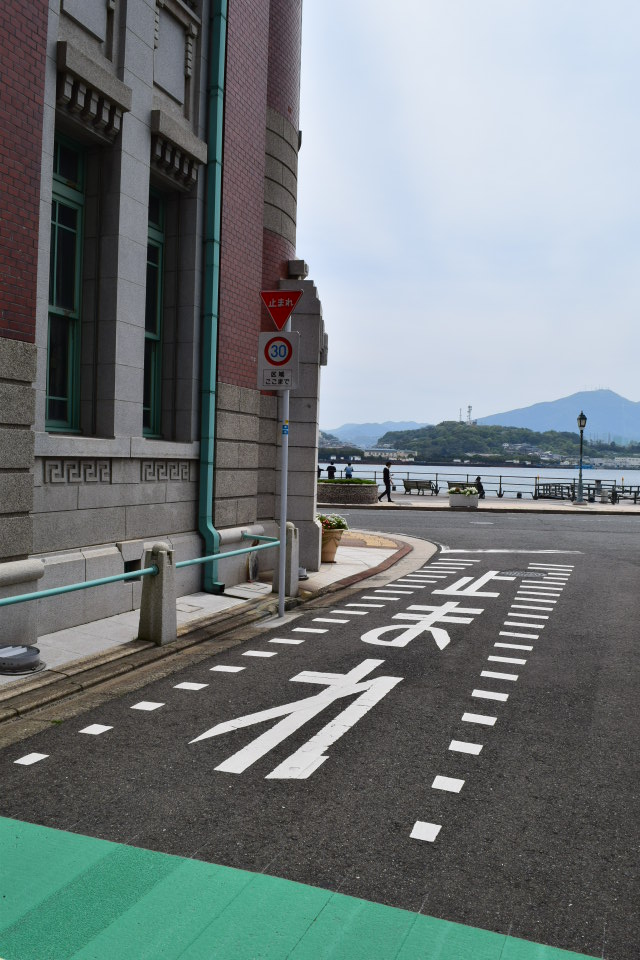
(211, 290)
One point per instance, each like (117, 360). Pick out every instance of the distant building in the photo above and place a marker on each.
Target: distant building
(391, 453)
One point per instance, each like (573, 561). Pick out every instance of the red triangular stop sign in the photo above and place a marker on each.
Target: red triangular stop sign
(280, 304)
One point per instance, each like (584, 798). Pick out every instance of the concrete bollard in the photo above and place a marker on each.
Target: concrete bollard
(18, 622)
(158, 618)
(292, 563)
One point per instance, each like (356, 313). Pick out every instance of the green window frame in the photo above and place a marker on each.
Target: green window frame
(65, 288)
(152, 391)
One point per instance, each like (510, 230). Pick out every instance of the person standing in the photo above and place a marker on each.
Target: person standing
(348, 471)
(386, 479)
(331, 471)
(479, 487)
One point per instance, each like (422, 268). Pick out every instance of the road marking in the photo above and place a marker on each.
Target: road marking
(310, 630)
(95, 729)
(223, 669)
(490, 695)
(539, 591)
(328, 620)
(531, 598)
(30, 758)
(364, 604)
(409, 583)
(523, 636)
(554, 566)
(547, 586)
(353, 613)
(259, 653)
(479, 718)
(425, 831)
(403, 593)
(447, 783)
(482, 523)
(513, 646)
(147, 705)
(516, 623)
(422, 622)
(506, 660)
(304, 761)
(499, 676)
(468, 587)
(461, 746)
(528, 616)
(367, 597)
(288, 640)
(190, 686)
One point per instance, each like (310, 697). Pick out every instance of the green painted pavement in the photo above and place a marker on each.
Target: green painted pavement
(68, 897)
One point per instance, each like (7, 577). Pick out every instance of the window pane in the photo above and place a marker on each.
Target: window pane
(65, 289)
(153, 276)
(68, 164)
(58, 374)
(147, 400)
(155, 210)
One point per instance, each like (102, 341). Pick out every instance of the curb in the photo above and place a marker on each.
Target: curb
(608, 510)
(132, 661)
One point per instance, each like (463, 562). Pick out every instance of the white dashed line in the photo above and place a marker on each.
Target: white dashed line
(190, 686)
(95, 729)
(147, 705)
(499, 676)
(30, 758)
(478, 718)
(404, 593)
(447, 783)
(310, 630)
(513, 646)
(425, 831)
(380, 605)
(527, 616)
(354, 613)
(288, 640)
(328, 620)
(516, 623)
(461, 746)
(259, 653)
(490, 695)
(506, 660)
(223, 669)
(521, 636)
(365, 597)
(527, 606)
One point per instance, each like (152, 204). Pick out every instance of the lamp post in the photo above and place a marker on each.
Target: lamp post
(582, 422)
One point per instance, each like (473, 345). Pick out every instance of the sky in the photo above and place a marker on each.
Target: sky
(469, 202)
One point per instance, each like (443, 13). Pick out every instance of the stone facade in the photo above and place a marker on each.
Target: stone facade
(123, 85)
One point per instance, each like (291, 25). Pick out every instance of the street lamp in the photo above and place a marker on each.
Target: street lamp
(582, 422)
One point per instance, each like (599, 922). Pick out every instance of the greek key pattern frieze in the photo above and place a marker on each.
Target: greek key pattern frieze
(77, 471)
(151, 470)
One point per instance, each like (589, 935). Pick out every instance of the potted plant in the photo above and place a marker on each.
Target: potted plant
(463, 498)
(333, 526)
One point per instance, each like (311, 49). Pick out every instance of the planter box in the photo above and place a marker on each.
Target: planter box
(458, 501)
(347, 493)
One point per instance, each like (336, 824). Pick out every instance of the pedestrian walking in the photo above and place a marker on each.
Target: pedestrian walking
(479, 487)
(386, 479)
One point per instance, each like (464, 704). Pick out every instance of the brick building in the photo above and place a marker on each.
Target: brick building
(148, 161)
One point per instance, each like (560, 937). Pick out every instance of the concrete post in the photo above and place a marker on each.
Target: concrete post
(18, 623)
(292, 563)
(158, 618)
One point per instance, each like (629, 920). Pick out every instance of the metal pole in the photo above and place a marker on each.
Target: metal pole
(579, 498)
(284, 468)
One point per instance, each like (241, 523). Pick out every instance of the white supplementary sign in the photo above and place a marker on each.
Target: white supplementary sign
(278, 360)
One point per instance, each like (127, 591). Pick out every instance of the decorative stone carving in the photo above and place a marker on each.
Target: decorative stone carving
(90, 94)
(152, 470)
(77, 471)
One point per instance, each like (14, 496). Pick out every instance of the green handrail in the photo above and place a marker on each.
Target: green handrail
(229, 553)
(57, 591)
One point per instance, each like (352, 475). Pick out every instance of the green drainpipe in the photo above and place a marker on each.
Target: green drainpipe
(217, 51)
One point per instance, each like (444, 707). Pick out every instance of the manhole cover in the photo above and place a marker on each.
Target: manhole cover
(20, 659)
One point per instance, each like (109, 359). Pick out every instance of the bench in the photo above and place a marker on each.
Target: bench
(420, 486)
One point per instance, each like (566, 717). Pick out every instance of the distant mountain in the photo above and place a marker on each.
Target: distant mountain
(609, 416)
(368, 434)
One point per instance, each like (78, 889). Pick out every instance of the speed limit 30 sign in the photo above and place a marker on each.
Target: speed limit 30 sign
(278, 360)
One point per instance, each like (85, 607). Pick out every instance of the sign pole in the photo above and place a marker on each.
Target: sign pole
(284, 472)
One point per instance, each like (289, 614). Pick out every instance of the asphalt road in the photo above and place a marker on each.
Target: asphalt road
(396, 759)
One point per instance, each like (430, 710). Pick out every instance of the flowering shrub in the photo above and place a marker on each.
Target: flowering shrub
(332, 521)
(465, 491)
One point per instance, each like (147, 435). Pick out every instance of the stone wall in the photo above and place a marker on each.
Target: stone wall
(17, 372)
